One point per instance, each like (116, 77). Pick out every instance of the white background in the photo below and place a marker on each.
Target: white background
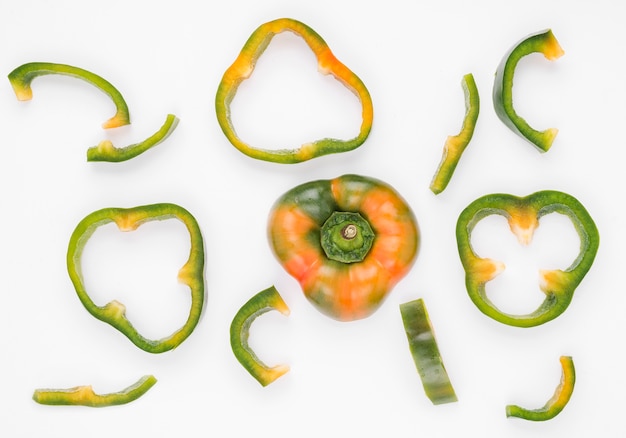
(346, 379)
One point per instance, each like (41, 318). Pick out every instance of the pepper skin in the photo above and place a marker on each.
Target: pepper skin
(523, 215)
(191, 274)
(543, 42)
(265, 301)
(347, 241)
(243, 67)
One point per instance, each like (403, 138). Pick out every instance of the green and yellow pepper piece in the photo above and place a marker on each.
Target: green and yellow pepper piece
(191, 274)
(263, 302)
(243, 67)
(347, 241)
(523, 215)
(543, 42)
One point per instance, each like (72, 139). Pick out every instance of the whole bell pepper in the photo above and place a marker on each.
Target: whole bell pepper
(347, 241)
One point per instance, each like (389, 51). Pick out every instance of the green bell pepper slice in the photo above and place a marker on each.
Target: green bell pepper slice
(191, 274)
(523, 214)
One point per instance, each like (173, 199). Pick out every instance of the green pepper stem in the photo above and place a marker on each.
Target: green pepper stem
(346, 237)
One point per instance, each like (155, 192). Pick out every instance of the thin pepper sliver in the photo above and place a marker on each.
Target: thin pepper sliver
(191, 274)
(243, 67)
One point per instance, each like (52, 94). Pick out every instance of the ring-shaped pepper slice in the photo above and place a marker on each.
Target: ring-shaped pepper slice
(243, 67)
(85, 395)
(523, 215)
(23, 75)
(191, 274)
(545, 43)
(557, 402)
(455, 144)
(263, 302)
(320, 233)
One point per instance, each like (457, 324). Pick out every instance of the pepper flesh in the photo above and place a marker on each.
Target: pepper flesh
(543, 42)
(344, 290)
(191, 274)
(85, 396)
(523, 215)
(425, 352)
(455, 145)
(243, 67)
(557, 402)
(265, 301)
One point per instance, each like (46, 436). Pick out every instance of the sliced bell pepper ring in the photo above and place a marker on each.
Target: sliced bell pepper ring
(23, 75)
(347, 241)
(543, 42)
(557, 402)
(455, 145)
(425, 352)
(263, 302)
(523, 214)
(191, 274)
(85, 396)
(243, 67)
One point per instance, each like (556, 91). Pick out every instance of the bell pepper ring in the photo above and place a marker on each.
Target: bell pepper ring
(263, 302)
(191, 274)
(455, 144)
(347, 241)
(523, 215)
(22, 76)
(556, 404)
(85, 395)
(243, 67)
(545, 43)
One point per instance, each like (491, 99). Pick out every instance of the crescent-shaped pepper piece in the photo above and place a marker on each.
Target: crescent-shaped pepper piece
(85, 396)
(523, 215)
(243, 67)
(543, 42)
(347, 241)
(557, 402)
(263, 302)
(191, 274)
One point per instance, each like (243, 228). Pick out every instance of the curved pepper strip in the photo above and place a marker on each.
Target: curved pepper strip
(23, 75)
(523, 214)
(191, 274)
(105, 151)
(557, 402)
(263, 302)
(543, 42)
(243, 67)
(347, 241)
(85, 396)
(455, 145)
(425, 352)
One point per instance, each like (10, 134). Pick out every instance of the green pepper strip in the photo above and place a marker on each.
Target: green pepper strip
(85, 396)
(23, 75)
(523, 215)
(543, 42)
(557, 402)
(455, 145)
(264, 301)
(243, 67)
(191, 274)
(105, 151)
(425, 352)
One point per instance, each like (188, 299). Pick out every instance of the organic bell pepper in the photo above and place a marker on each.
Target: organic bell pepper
(85, 396)
(543, 42)
(191, 274)
(243, 67)
(557, 402)
(523, 215)
(264, 301)
(455, 145)
(347, 241)
(425, 352)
